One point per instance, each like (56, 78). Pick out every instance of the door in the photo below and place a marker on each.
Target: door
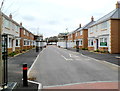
(77, 46)
(97, 43)
(4, 58)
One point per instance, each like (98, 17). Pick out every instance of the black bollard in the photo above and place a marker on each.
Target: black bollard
(25, 82)
(77, 49)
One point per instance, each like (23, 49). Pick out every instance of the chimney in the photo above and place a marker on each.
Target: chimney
(20, 23)
(118, 4)
(80, 26)
(92, 18)
(10, 16)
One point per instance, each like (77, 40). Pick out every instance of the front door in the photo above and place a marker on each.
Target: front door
(77, 46)
(97, 43)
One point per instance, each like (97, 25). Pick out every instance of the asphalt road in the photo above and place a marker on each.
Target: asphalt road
(57, 66)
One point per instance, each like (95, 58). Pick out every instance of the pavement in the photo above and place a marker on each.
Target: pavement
(56, 67)
(15, 73)
(111, 58)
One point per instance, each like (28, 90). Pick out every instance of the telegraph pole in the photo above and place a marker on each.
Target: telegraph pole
(1, 61)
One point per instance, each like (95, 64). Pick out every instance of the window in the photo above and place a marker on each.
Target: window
(90, 42)
(17, 42)
(103, 42)
(80, 42)
(24, 32)
(104, 25)
(81, 32)
(10, 43)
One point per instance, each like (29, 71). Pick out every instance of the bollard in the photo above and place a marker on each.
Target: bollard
(25, 82)
(77, 49)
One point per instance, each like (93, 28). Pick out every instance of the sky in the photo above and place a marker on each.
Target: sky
(51, 17)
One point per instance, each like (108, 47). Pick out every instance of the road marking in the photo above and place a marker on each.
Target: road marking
(72, 55)
(65, 58)
(39, 84)
(76, 84)
(117, 57)
(100, 61)
(34, 62)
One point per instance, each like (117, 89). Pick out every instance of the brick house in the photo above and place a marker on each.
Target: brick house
(104, 34)
(27, 39)
(82, 35)
(11, 28)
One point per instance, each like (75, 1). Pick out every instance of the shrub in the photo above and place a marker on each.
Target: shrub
(104, 52)
(84, 48)
(24, 50)
(97, 50)
(12, 54)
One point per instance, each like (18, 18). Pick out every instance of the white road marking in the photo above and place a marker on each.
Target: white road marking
(65, 58)
(100, 60)
(72, 55)
(39, 84)
(34, 62)
(117, 57)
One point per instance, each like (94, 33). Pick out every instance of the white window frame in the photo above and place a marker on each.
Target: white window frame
(90, 42)
(80, 42)
(10, 43)
(103, 40)
(81, 32)
(18, 43)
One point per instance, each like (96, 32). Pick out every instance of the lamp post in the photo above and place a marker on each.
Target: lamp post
(66, 37)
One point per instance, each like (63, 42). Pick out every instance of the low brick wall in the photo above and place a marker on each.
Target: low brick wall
(91, 48)
(103, 48)
(9, 50)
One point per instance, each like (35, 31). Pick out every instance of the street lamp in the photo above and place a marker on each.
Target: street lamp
(66, 37)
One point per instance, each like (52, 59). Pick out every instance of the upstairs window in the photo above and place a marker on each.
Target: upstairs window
(24, 32)
(81, 32)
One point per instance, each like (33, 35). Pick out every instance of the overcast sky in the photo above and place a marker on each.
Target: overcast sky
(50, 17)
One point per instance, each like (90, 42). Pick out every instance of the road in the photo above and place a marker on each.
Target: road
(57, 66)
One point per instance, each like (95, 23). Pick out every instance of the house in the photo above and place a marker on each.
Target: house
(72, 36)
(82, 35)
(27, 39)
(104, 34)
(62, 40)
(12, 30)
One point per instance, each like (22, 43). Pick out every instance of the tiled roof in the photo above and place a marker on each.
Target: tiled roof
(86, 26)
(115, 14)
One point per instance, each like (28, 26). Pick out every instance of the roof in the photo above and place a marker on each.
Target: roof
(5, 16)
(115, 14)
(86, 26)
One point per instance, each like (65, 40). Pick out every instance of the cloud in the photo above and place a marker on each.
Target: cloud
(54, 16)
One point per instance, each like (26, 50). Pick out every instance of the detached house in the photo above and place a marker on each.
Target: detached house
(12, 29)
(82, 35)
(104, 34)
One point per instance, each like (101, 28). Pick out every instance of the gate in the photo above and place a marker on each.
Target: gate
(4, 58)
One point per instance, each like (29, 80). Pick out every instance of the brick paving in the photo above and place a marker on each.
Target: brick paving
(98, 85)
